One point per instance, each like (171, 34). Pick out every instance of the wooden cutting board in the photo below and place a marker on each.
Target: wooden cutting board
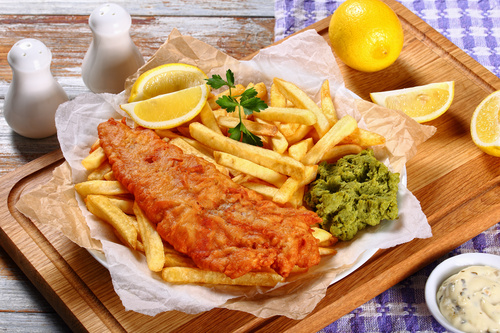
(457, 185)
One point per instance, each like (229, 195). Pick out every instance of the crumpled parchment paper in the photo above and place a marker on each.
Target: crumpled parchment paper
(305, 59)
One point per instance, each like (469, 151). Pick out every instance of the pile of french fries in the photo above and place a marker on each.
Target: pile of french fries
(297, 134)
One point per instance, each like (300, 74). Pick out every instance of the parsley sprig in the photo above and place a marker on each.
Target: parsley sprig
(247, 101)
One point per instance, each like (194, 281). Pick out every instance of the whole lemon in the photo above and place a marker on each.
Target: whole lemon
(366, 34)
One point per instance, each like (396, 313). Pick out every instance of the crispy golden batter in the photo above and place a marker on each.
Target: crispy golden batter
(201, 212)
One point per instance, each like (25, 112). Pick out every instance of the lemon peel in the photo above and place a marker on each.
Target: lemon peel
(366, 34)
(165, 79)
(485, 125)
(168, 110)
(422, 103)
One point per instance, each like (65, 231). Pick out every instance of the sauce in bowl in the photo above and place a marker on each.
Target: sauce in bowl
(470, 299)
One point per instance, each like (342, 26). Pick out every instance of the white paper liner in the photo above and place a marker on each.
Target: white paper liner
(307, 60)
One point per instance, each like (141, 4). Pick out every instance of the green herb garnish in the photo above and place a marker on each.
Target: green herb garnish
(248, 102)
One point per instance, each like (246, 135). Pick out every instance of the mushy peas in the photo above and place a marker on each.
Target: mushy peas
(352, 193)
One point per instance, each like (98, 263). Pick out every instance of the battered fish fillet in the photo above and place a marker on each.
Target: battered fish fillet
(201, 212)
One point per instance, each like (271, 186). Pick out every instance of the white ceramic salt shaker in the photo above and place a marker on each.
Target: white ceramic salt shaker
(34, 94)
(112, 55)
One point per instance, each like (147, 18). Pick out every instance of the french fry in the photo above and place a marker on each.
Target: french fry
(153, 245)
(266, 190)
(301, 100)
(125, 204)
(94, 159)
(364, 138)
(300, 149)
(327, 103)
(266, 141)
(237, 90)
(309, 175)
(95, 145)
(254, 127)
(208, 119)
(110, 176)
(324, 237)
(298, 134)
(103, 187)
(240, 177)
(99, 172)
(201, 148)
(345, 126)
(261, 91)
(288, 129)
(340, 151)
(100, 206)
(219, 113)
(297, 198)
(265, 157)
(169, 249)
(287, 115)
(138, 247)
(249, 168)
(211, 100)
(183, 275)
(184, 131)
(327, 251)
(291, 185)
(314, 135)
(278, 142)
(133, 220)
(188, 149)
(178, 260)
(276, 98)
(286, 191)
(166, 133)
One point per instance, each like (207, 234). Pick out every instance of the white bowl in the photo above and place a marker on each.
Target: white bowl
(448, 268)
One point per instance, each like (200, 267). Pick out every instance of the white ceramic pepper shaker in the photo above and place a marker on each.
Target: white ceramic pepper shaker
(112, 55)
(34, 94)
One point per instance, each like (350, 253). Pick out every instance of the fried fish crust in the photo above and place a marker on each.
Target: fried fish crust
(201, 212)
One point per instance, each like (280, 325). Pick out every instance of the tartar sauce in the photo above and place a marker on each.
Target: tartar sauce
(470, 299)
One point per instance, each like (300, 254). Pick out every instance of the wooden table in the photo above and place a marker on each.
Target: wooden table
(238, 28)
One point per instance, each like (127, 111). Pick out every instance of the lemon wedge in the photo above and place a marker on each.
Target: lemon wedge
(422, 103)
(165, 79)
(485, 125)
(168, 110)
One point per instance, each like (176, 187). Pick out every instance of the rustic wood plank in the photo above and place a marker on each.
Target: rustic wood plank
(13, 284)
(68, 38)
(16, 150)
(36, 269)
(221, 8)
(14, 322)
(22, 307)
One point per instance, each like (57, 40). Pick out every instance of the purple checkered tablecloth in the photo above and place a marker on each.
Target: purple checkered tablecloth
(474, 26)
(402, 308)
